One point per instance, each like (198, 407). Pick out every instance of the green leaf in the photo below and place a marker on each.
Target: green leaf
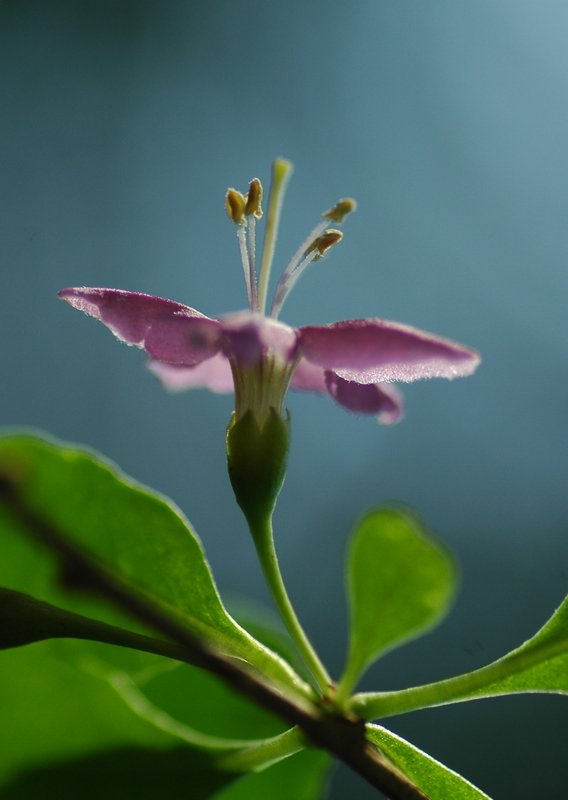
(538, 665)
(399, 582)
(176, 774)
(63, 724)
(51, 711)
(435, 780)
(58, 712)
(202, 702)
(136, 534)
(300, 777)
(24, 620)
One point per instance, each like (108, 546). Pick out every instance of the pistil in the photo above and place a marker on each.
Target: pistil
(281, 171)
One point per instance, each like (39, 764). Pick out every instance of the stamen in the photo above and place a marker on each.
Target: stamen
(303, 248)
(254, 199)
(324, 242)
(337, 213)
(253, 211)
(314, 252)
(341, 209)
(285, 286)
(247, 269)
(281, 171)
(252, 291)
(235, 206)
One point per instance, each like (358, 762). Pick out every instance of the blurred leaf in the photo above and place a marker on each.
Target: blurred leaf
(400, 583)
(266, 626)
(51, 710)
(538, 665)
(194, 699)
(135, 533)
(300, 777)
(176, 774)
(435, 780)
(24, 620)
(145, 774)
(199, 700)
(57, 711)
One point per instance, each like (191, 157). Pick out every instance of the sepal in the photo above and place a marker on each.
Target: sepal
(257, 455)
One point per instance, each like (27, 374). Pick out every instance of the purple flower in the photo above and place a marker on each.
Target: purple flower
(260, 357)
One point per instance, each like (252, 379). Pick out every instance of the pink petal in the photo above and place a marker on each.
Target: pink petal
(248, 337)
(379, 351)
(213, 374)
(309, 377)
(168, 331)
(367, 398)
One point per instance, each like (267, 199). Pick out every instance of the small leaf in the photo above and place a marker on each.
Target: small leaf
(538, 665)
(399, 584)
(433, 778)
(135, 533)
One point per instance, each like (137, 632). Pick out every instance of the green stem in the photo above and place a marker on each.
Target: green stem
(347, 683)
(264, 753)
(264, 541)
(281, 171)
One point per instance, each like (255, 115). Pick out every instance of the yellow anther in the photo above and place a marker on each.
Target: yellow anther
(254, 199)
(341, 209)
(235, 206)
(324, 242)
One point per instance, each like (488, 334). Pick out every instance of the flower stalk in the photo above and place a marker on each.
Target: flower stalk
(263, 536)
(257, 452)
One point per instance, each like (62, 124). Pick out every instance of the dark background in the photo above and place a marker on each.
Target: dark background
(122, 124)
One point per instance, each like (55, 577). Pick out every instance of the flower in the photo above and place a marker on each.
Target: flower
(260, 357)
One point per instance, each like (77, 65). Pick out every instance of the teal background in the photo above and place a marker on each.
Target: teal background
(123, 123)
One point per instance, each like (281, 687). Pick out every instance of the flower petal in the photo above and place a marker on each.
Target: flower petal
(213, 374)
(309, 377)
(168, 331)
(366, 398)
(379, 351)
(248, 337)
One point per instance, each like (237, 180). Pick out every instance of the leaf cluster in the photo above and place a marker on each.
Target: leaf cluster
(102, 698)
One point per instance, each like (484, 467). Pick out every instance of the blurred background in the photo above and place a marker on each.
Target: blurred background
(124, 121)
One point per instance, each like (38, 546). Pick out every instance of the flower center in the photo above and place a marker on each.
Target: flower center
(245, 211)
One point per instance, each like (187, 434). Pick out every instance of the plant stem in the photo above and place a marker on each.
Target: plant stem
(264, 542)
(347, 683)
(262, 753)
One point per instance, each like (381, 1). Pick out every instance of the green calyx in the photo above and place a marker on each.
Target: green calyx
(256, 459)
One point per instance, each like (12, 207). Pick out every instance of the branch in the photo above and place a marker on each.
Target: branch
(342, 736)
